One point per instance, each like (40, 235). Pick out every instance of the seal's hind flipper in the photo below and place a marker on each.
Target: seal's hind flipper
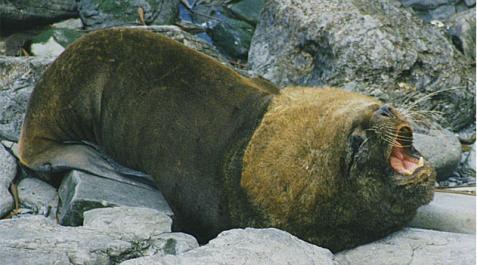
(87, 157)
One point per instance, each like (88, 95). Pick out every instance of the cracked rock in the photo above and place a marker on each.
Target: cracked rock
(80, 192)
(414, 247)
(247, 246)
(38, 240)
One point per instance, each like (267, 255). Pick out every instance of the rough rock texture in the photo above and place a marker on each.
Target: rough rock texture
(462, 31)
(376, 47)
(81, 191)
(108, 13)
(442, 148)
(16, 14)
(37, 240)
(447, 212)
(38, 196)
(414, 247)
(8, 170)
(247, 247)
(17, 79)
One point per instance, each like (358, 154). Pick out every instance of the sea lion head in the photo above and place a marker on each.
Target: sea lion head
(334, 167)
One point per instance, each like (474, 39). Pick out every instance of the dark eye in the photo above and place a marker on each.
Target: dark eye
(356, 141)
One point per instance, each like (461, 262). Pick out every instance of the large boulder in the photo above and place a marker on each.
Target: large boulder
(16, 14)
(377, 47)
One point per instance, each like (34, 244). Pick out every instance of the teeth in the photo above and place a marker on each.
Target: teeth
(421, 162)
(419, 165)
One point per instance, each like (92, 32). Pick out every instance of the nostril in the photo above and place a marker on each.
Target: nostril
(385, 111)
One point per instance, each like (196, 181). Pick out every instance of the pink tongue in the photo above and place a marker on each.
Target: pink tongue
(402, 163)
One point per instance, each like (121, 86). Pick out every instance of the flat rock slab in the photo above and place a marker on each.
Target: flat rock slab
(81, 191)
(447, 212)
(413, 246)
(247, 247)
(38, 240)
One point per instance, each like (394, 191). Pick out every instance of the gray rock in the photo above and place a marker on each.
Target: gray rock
(443, 12)
(8, 170)
(447, 212)
(248, 10)
(427, 4)
(38, 196)
(440, 147)
(73, 23)
(17, 79)
(38, 240)
(52, 42)
(414, 247)
(232, 36)
(81, 191)
(32, 13)
(462, 31)
(108, 13)
(375, 47)
(470, 2)
(247, 246)
(125, 220)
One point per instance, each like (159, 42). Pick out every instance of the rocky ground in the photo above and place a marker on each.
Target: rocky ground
(418, 55)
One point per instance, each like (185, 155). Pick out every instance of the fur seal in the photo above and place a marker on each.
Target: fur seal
(333, 167)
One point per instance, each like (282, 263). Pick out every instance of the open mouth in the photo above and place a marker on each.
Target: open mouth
(404, 159)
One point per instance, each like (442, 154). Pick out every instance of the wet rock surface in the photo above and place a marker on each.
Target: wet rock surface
(37, 240)
(247, 246)
(447, 212)
(80, 192)
(414, 247)
(374, 47)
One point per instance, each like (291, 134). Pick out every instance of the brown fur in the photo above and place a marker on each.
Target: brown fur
(220, 152)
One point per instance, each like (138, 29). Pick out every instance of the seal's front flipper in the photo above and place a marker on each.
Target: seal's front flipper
(118, 168)
(86, 157)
